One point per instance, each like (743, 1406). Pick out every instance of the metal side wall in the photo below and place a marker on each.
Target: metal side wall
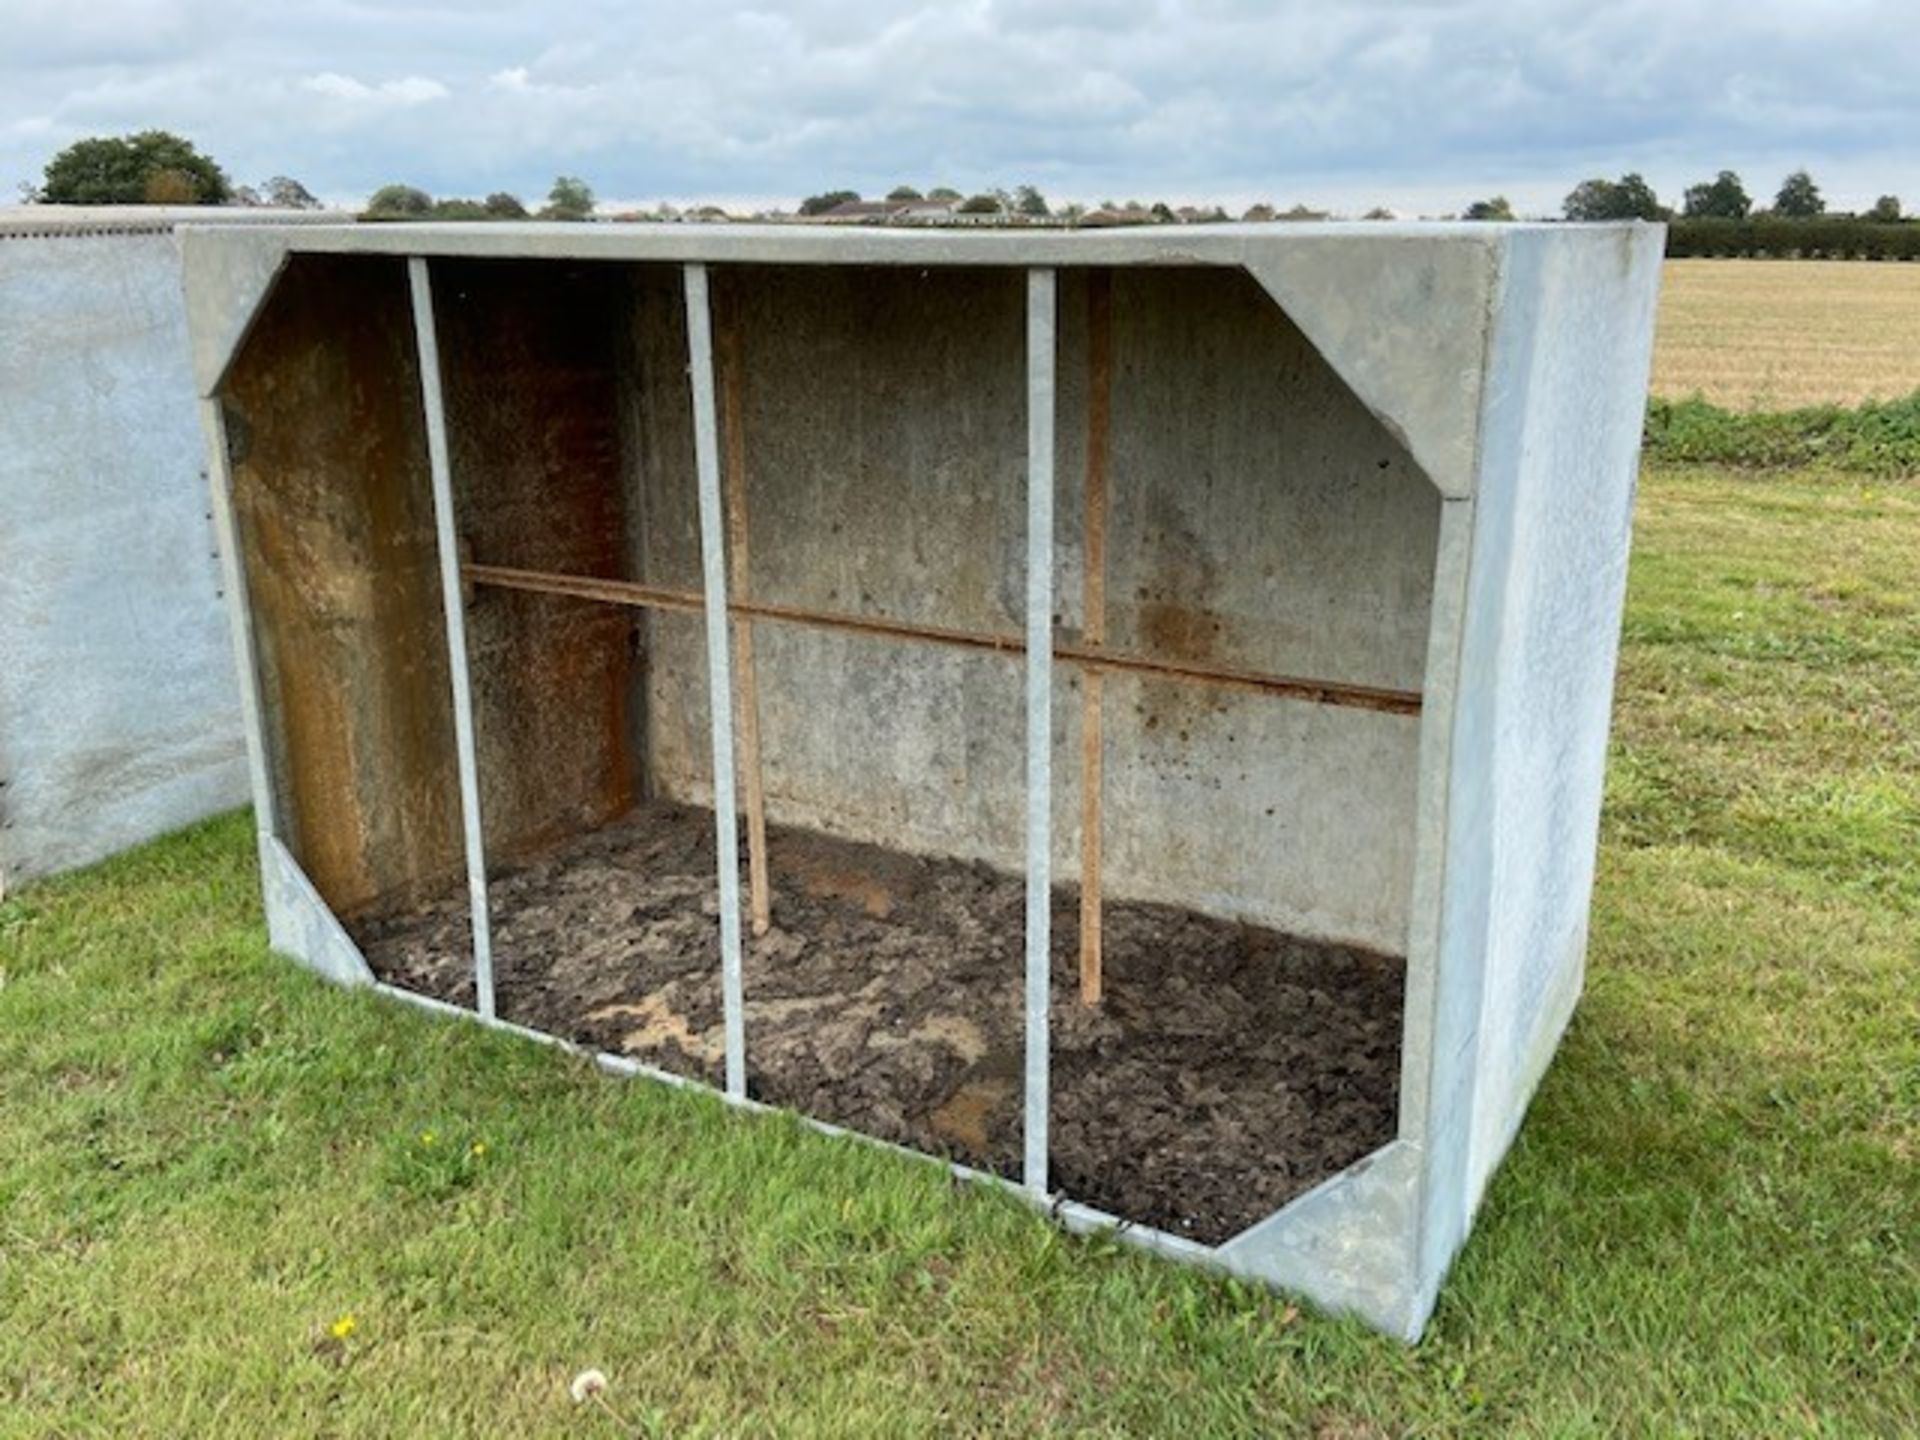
(118, 713)
(1560, 434)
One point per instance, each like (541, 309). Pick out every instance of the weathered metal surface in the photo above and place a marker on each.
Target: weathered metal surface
(233, 581)
(1093, 620)
(1539, 632)
(118, 715)
(300, 923)
(1358, 1226)
(739, 568)
(537, 459)
(713, 556)
(453, 608)
(664, 550)
(1042, 310)
(883, 435)
(334, 515)
(1321, 492)
(1360, 292)
(38, 220)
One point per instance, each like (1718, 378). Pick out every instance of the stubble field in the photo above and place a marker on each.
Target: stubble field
(1782, 334)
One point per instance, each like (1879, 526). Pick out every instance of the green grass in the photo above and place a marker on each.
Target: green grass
(1876, 437)
(1710, 1224)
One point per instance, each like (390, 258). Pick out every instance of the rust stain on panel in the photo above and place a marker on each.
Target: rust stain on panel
(534, 429)
(335, 522)
(1180, 633)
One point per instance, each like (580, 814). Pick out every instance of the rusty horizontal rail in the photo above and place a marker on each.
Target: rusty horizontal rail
(661, 597)
(584, 587)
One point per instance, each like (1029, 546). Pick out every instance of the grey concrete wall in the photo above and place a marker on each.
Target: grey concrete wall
(1260, 519)
(118, 712)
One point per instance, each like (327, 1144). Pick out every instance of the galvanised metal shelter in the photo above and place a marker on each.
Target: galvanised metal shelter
(1321, 529)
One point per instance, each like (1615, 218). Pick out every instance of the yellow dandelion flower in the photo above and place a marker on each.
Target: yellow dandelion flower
(427, 1137)
(343, 1327)
(479, 1147)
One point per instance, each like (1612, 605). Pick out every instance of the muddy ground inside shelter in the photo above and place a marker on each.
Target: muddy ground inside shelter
(1228, 1069)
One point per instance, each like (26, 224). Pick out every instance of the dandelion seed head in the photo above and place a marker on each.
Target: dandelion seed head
(586, 1385)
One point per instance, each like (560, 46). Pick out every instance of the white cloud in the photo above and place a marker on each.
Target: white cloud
(1419, 104)
(412, 90)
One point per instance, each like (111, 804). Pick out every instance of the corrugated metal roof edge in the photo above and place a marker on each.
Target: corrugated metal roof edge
(68, 222)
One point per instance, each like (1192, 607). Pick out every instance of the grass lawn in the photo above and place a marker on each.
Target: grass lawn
(1710, 1225)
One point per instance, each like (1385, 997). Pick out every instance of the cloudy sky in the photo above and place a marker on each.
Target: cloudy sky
(1420, 105)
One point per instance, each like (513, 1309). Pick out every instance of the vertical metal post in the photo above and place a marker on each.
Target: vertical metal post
(713, 557)
(1041, 312)
(428, 340)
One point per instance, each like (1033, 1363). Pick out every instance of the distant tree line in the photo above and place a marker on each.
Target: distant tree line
(1772, 237)
(156, 167)
(1717, 217)
(1722, 198)
(1024, 200)
(570, 199)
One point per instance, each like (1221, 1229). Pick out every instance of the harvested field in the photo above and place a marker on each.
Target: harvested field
(1779, 334)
